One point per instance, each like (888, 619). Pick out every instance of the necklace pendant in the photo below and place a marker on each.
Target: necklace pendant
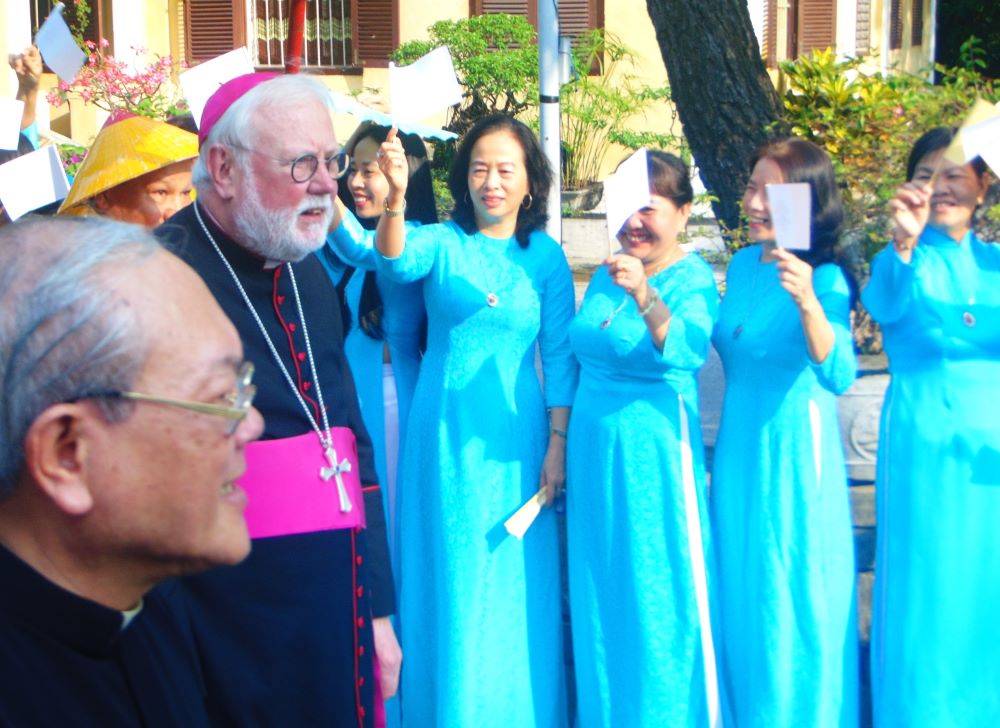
(968, 319)
(492, 300)
(737, 331)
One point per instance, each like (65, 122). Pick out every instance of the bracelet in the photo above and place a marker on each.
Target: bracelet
(393, 213)
(653, 297)
(560, 433)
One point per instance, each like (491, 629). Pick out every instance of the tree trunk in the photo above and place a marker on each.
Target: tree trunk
(721, 89)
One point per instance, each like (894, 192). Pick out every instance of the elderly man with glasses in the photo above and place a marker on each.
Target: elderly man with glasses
(288, 637)
(125, 412)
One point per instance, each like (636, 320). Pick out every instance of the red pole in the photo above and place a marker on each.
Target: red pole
(296, 36)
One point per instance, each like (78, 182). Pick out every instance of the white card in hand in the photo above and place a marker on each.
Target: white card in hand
(791, 214)
(10, 123)
(200, 82)
(32, 181)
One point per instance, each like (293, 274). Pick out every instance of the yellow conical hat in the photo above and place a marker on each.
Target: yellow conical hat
(123, 151)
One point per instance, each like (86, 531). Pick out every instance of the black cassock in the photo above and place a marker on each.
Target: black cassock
(285, 637)
(66, 661)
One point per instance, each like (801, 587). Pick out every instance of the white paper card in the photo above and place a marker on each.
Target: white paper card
(626, 191)
(983, 140)
(791, 214)
(424, 88)
(200, 82)
(57, 46)
(32, 181)
(11, 111)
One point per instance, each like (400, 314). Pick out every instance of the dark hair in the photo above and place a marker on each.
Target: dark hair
(530, 218)
(669, 177)
(802, 161)
(420, 206)
(937, 138)
(184, 121)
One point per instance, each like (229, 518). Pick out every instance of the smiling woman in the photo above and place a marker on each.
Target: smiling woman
(481, 632)
(935, 291)
(637, 517)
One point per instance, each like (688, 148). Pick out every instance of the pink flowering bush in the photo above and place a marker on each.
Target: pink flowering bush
(112, 85)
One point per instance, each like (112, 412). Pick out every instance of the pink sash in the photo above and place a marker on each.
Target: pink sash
(287, 495)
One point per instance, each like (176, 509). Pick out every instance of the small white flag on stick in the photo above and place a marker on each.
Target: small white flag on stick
(424, 88)
(626, 191)
(57, 46)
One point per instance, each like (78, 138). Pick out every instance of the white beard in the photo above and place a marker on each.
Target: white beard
(274, 234)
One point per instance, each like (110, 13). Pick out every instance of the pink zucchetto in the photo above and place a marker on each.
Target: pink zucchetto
(227, 95)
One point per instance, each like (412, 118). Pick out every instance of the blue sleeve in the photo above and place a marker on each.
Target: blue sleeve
(835, 373)
(692, 317)
(352, 243)
(890, 289)
(31, 132)
(419, 253)
(558, 304)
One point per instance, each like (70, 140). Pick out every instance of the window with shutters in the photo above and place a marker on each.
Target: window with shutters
(917, 23)
(895, 24)
(575, 16)
(795, 28)
(340, 35)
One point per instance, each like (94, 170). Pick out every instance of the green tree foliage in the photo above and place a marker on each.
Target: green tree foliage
(496, 61)
(596, 109)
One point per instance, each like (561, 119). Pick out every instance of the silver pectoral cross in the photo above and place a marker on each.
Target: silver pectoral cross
(334, 471)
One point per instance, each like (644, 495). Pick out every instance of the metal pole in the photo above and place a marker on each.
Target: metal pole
(548, 93)
(296, 36)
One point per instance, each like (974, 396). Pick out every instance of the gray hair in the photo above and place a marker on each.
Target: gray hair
(64, 332)
(237, 127)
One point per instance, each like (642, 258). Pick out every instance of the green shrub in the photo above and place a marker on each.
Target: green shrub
(868, 122)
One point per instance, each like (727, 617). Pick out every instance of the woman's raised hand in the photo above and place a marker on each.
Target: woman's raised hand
(796, 277)
(627, 271)
(392, 162)
(910, 209)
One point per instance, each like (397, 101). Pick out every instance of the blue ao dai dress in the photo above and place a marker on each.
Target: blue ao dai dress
(936, 631)
(482, 634)
(780, 506)
(638, 531)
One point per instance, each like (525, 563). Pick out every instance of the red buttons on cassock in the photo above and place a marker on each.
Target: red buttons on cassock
(291, 327)
(361, 711)
(359, 561)
(361, 681)
(302, 356)
(305, 386)
(361, 591)
(361, 651)
(281, 300)
(361, 622)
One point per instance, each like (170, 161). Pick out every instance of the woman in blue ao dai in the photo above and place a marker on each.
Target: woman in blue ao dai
(779, 500)
(383, 343)
(480, 610)
(935, 291)
(637, 516)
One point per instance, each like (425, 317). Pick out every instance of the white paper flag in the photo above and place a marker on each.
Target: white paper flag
(200, 82)
(791, 214)
(59, 51)
(32, 181)
(424, 88)
(626, 191)
(983, 140)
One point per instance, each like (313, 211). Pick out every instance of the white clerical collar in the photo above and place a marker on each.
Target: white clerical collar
(129, 614)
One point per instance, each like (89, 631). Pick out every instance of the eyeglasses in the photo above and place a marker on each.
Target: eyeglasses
(304, 167)
(236, 411)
